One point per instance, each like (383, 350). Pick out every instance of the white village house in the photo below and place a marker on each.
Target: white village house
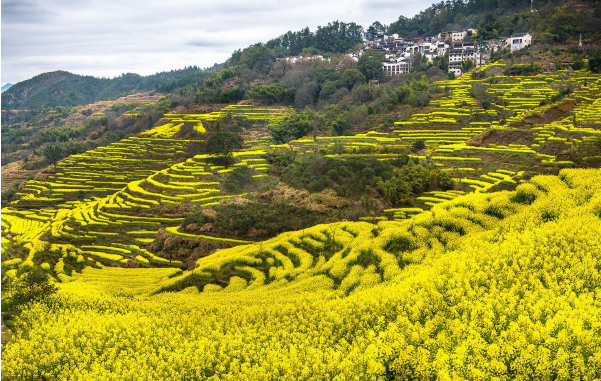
(395, 68)
(519, 41)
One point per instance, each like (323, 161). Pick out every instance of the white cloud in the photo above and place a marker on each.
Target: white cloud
(107, 38)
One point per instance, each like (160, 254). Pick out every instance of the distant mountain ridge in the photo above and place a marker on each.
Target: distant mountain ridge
(6, 87)
(61, 88)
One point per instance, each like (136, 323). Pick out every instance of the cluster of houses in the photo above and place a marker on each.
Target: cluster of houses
(401, 54)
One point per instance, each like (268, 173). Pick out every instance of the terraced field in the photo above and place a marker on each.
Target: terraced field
(494, 279)
(485, 285)
(90, 212)
(106, 205)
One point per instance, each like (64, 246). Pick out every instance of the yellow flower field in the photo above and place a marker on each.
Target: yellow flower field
(516, 298)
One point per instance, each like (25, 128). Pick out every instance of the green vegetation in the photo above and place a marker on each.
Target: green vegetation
(19, 293)
(336, 37)
(397, 180)
(413, 180)
(254, 220)
(557, 21)
(522, 69)
(61, 88)
(424, 228)
(295, 126)
(370, 64)
(239, 180)
(223, 144)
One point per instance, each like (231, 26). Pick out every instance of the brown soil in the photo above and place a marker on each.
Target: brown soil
(199, 108)
(502, 137)
(184, 249)
(553, 148)
(12, 173)
(553, 114)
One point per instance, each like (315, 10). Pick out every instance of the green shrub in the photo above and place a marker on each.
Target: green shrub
(239, 180)
(523, 69)
(350, 177)
(33, 286)
(256, 220)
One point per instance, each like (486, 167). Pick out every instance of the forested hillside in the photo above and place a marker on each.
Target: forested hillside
(64, 89)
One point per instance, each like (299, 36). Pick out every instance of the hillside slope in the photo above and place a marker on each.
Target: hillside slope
(61, 88)
(113, 204)
(488, 286)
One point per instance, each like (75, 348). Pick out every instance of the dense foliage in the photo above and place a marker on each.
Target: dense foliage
(397, 181)
(255, 220)
(336, 37)
(412, 180)
(295, 126)
(19, 293)
(223, 144)
(370, 64)
(555, 20)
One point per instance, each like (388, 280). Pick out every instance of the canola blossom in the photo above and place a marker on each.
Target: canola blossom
(484, 286)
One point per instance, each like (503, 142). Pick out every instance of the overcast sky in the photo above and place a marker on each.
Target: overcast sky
(107, 38)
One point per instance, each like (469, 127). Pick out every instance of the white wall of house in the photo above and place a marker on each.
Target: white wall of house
(459, 36)
(396, 68)
(520, 41)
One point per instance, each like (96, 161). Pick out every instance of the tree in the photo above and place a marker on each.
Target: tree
(442, 62)
(340, 126)
(294, 126)
(376, 29)
(257, 57)
(594, 62)
(338, 37)
(276, 92)
(351, 77)
(395, 190)
(283, 64)
(324, 73)
(52, 153)
(418, 145)
(238, 180)
(467, 65)
(33, 286)
(222, 144)
(370, 64)
(419, 61)
(319, 124)
(489, 28)
(307, 94)
(342, 63)
(328, 88)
